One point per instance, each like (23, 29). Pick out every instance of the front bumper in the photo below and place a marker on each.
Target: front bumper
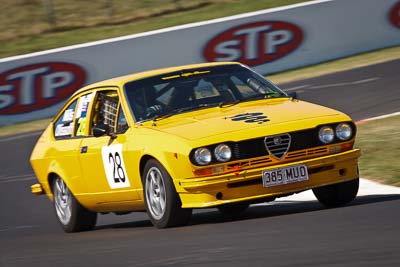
(247, 185)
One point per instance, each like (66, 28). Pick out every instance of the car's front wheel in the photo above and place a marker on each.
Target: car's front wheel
(337, 194)
(163, 204)
(72, 216)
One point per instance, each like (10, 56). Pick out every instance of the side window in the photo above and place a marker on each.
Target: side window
(64, 126)
(122, 125)
(105, 109)
(81, 113)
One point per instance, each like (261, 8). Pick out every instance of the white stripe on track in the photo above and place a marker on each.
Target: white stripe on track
(343, 83)
(19, 227)
(14, 179)
(11, 138)
(367, 188)
(296, 88)
(366, 80)
(379, 117)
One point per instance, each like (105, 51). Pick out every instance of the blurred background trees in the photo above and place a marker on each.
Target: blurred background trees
(32, 17)
(34, 25)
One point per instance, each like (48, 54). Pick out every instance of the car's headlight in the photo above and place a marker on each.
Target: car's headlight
(344, 131)
(202, 156)
(223, 153)
(326, 134)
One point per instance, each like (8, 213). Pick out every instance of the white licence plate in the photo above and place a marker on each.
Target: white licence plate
(288, 175)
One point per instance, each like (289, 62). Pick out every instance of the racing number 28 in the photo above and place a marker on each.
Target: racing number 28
(114, 166)
(118, 170)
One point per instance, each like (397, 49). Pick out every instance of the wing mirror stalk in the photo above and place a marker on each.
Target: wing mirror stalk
(293, 95)
(102, 129)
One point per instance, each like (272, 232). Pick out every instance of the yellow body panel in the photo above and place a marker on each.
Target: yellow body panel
(170, 142)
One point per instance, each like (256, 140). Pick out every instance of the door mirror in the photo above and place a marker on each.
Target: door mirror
(100, 130)
(293, 95)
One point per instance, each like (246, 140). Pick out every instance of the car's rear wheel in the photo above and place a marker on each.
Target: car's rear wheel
(337, 194)
(233, 209)
(163, 204)
(72, 216)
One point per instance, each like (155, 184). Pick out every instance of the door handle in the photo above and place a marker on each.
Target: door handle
(84, 149)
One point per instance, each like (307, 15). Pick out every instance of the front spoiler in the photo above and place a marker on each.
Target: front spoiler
(207, 192)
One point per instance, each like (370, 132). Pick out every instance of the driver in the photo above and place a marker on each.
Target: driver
(144, 102)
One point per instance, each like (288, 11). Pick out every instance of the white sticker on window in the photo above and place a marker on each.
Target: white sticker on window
(114, 166)
(62, 130)
(68, 115)
(83, 105)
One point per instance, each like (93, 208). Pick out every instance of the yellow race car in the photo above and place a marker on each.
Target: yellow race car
(195, 136)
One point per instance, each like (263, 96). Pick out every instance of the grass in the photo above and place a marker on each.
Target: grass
(380, 145)
(83, 21)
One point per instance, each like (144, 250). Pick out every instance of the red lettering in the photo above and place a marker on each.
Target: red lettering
(255, 43)
(38, 86)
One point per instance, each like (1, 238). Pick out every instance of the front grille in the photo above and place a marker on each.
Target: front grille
(292, 146)
(243, 164)
(249, 149)
(290, 157)
(278, 145)
(252, 148)
(247, 163)
(308, 152)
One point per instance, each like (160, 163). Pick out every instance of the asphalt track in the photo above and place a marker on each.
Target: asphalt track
(283, 233)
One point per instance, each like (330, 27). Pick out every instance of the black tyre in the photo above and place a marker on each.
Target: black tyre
(163, 204)
(71, 215)
(232, 210)
(337, 194)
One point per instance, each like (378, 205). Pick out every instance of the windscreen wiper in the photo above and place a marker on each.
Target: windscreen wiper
(258, 96)
(264, 96)
(225, 104)
(180, 110)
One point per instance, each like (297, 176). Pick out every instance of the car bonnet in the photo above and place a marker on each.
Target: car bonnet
(248, 120)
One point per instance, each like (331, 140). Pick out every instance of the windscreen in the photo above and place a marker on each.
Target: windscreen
(193, 89)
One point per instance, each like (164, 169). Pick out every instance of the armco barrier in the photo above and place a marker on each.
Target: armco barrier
(34, 86)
